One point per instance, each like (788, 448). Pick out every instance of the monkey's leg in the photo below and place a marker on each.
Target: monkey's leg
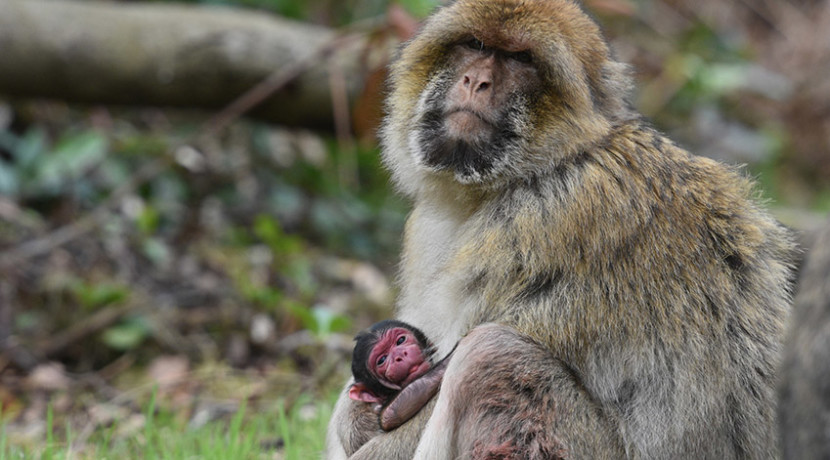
(504, 396)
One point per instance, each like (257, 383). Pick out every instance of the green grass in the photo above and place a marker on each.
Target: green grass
(298, 433)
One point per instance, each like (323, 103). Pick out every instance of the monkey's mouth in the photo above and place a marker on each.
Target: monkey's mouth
(467, 124)
(466, 110)
(464, 141)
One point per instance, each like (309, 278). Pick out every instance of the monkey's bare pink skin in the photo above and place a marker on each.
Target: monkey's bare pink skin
(413, 397)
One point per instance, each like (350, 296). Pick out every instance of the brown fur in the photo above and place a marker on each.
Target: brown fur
(804, 411)
(505, 373)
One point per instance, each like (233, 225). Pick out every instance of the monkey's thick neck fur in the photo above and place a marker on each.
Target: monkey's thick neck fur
(652, 273)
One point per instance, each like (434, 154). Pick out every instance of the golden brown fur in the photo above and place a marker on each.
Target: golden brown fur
(804, 389)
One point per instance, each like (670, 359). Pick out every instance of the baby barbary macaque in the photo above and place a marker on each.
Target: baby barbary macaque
(388, 357)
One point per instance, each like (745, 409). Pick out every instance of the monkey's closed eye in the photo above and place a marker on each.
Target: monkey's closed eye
(521, 56)
(474, 44)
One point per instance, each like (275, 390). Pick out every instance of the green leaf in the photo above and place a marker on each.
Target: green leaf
(420, 8)
(723, 78)
(270, 232)
(304, 314)
(29, 148)
(157, 251)
(267, 229)
(9, 180)
(328, 321)
(320, 320)
(127, 335)
(71, 158)
(148, 221)
(92, 296)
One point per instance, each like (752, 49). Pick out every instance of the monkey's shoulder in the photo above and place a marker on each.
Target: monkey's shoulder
(633, 170)
(634, 193)
(636, 153)
(689, 189)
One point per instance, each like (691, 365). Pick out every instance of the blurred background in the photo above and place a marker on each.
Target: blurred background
(194, 220)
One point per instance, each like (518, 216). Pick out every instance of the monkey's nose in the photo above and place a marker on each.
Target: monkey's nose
(400, 355)
(477, 81)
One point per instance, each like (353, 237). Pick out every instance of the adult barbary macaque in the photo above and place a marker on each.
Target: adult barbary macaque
(635, 295)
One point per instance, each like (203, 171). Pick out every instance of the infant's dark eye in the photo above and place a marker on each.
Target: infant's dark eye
(521, 56)
(381, 360)
(401, 340)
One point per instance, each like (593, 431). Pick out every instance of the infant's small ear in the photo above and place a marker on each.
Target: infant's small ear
(359, 392)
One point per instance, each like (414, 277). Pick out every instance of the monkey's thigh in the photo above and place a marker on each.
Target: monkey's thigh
(513, 400)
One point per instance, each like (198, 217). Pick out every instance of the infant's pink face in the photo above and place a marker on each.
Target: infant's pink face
(397, 358)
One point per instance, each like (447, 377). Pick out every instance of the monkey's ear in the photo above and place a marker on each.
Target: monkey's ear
(359, 392)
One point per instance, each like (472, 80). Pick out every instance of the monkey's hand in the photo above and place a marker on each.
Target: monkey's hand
(413, 397)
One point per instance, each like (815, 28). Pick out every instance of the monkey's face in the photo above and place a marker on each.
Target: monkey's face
(397, 358)
(472, 114)
(491, 90)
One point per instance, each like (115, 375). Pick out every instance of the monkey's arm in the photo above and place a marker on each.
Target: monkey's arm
(413, 397)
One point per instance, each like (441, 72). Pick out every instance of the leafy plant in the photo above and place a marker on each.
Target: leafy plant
(129, 334)
(92, 296)
(37, 169)
(320, 320)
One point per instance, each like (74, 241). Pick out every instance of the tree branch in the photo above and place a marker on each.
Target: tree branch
(169, 55)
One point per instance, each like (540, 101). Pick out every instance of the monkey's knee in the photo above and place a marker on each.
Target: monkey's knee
(488, 356)
(472, 352)
(490, 341)
(490, 335)
(509, 449)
